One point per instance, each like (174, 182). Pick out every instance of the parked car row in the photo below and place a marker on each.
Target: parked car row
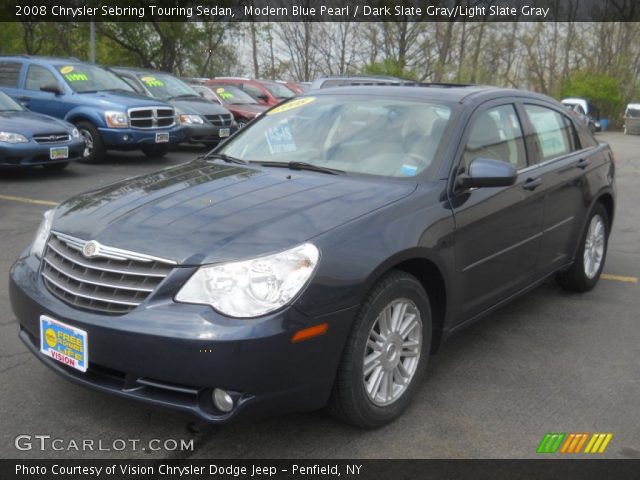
(69, 110)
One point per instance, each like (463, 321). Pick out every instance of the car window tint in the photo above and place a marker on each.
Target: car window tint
(206, 93)
(496, 133)
(554, 131)
(38, 76)
(9, 74)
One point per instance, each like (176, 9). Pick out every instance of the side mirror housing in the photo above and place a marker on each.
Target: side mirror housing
(263, 98)
(488, 172)
(51, 87)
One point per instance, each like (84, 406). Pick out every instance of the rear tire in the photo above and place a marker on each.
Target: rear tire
(590, 257)
(386, 353)
(94, 151)
(56, 167)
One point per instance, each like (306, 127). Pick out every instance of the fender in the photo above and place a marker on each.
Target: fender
(86, 113)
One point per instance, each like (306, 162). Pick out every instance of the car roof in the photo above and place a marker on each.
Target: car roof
(42, 57)
(448, 92)
(138, 70)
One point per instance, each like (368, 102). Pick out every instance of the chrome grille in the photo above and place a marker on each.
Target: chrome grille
(52, 138)
(111, 280)
(149, 118)
(223, 120)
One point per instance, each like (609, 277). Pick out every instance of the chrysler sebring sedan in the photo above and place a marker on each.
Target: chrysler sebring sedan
(320, 255)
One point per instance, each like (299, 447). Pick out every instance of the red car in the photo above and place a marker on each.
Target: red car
(244, 107)
(265, 91)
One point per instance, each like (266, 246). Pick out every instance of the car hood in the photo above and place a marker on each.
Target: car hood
(206, 212)
(118, 100)
(198, 106)
(30, 124)
(247, 109)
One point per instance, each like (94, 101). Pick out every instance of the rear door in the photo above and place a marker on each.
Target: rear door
(498, 230)
(563, 163)
(10, 78)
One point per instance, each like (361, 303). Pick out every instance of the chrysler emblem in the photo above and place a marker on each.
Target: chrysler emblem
(90, 249)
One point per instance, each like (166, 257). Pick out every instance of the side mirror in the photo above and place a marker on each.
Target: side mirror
(263, 98)
(51, 87)
(488, 172)
(201, 94)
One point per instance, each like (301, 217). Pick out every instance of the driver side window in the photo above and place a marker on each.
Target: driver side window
(38, 77)
(496, 133)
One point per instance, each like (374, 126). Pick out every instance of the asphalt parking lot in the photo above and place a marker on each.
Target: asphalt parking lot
(548, 362)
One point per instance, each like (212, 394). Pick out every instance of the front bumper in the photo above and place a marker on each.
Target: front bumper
(32, 153)
(207, 134)
(173, 355)
(137, 139)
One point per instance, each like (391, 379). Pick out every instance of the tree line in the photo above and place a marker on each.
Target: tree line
(598, 60)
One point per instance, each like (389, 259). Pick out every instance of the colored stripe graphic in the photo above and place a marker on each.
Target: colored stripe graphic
(551, 442)
(598, 443)
(573, 442)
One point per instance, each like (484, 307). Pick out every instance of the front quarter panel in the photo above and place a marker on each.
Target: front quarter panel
(356, 255)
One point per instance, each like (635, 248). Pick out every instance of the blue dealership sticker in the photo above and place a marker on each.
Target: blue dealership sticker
(64, 343)
(280, 138)
(409, 170)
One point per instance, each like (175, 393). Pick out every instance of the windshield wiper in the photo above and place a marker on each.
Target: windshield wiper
(184, 95)
(224, 157)
(303, 166)
(118, 90)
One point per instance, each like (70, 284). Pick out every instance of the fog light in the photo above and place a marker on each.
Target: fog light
(222, 400)
(125, 138)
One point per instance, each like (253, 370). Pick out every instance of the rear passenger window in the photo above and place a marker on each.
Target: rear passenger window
(554, 131)
(496, 134)
(38, 76)
(9, 74)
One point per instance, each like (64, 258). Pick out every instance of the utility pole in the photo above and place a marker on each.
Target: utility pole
(92, 41)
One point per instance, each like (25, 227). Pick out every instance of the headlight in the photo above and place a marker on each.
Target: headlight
(75, 133)
(191, 119)
(37, 248)
(10, 137)
(116, 119)
(254, 287)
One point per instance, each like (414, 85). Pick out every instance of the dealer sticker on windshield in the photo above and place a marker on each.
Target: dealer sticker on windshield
(297, 103)
(64, 343)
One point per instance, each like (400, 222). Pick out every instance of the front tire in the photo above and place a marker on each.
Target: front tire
(587, 268)
(386, 353)
(94, 150)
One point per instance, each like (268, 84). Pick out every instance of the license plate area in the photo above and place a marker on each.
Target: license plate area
(162, 137)
(58, 153)
(64, 343)
(224, 132)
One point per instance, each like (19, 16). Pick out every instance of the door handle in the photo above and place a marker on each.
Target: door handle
(583, 163)
(532, 183)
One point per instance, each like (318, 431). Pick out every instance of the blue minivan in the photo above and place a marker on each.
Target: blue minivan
(104, 108)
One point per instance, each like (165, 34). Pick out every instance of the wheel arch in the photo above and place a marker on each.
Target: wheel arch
(429, 273)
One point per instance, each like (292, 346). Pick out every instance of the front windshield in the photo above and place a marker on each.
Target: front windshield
(279, 91)
(633, 112)
(233, 95)
(162, 85)
(90, 78)
(7, 104)
(360, 134)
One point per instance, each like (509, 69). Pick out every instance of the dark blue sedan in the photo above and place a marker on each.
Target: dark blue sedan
(321, 255)
(30, 139)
